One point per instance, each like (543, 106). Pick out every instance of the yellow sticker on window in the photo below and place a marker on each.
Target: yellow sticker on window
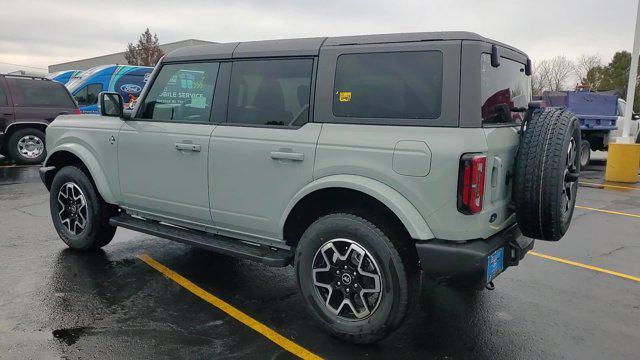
(344, 96)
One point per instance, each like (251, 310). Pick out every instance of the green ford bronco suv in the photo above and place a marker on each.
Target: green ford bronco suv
(366, 162)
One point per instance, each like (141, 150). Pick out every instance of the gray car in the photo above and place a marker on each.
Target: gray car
(364, 161)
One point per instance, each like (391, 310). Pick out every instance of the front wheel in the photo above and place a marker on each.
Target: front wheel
(357, 281)
(26, 146)
(79, 214)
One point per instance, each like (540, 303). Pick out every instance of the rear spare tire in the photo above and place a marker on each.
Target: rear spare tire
(547, 169)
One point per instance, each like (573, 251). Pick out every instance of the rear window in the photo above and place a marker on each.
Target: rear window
(503, 88)
(40, 93)
(398, 85)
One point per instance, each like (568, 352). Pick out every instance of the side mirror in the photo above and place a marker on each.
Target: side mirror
(111, 104)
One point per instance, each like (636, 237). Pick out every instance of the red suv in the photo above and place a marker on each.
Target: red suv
(27, 106)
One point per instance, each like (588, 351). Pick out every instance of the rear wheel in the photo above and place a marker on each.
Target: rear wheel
(547, 170)
(26, 146)
(357, 282)
(79, 214)
(585, 153)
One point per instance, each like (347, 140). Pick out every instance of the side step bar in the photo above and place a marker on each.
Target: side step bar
(216, 243)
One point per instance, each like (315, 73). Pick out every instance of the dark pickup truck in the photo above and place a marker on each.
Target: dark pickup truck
(27, 106)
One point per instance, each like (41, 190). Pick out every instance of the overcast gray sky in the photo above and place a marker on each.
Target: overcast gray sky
(40, 33)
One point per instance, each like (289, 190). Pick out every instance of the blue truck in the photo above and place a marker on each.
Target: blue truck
(127, 80)
(600, 115)
(65, 76)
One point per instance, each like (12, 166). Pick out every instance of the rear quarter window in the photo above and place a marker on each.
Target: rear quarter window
(503, 88)
(394, 85)
(40, 93)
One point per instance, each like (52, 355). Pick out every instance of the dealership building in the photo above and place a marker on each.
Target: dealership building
(118, 58)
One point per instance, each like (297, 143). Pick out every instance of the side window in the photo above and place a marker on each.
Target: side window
(399, 85)
(40, 93)
(3, 96)
(88, 95)
(81, 96)
(181, 92)
(270, 92)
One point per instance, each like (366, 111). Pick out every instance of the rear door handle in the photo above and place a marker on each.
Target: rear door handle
(285, 155)
(188, 147)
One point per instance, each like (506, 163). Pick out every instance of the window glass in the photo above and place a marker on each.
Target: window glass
(40, 93)
(402, 85)
(270, 92)
(502, 88)
(3, 97)
(88, 95)
(181, 92)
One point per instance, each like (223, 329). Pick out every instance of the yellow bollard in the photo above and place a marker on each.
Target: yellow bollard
(623, 162)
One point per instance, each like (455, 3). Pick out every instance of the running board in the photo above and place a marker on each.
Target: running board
(216, 243)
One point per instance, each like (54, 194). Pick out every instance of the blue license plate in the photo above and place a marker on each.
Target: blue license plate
(495, 263)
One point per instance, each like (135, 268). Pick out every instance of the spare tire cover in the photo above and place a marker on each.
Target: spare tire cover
(546, 178)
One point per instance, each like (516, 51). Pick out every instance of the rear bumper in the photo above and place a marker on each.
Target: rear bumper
(465, 264)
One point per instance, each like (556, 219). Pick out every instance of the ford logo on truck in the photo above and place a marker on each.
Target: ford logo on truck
(131, 88)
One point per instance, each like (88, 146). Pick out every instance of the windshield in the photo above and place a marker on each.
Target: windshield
(503, 88)
(76, 82)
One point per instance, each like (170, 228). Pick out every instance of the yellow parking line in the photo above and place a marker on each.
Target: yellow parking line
(609, 186)
(585, 266)
(608, 211)
(232, 311)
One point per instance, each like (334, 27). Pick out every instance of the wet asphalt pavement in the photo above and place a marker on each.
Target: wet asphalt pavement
(56, 303)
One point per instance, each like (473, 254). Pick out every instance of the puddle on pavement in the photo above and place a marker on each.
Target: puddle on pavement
(71, 335)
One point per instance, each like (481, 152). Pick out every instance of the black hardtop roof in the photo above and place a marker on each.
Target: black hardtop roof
(311, 46)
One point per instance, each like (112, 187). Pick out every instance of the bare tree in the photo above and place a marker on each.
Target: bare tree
(540, 78)
(146, 53)
(560, 71)
(583, 65)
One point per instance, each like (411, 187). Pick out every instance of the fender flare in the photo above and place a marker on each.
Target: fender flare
(92, 164)
(396, 202)
(26, 122)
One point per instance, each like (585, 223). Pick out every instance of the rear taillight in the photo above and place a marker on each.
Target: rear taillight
(471, 183)
(77, 111)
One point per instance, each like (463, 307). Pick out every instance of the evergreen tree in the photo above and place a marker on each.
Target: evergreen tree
(146, 53)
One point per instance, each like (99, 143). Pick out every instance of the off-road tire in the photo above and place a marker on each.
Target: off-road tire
(398, 269)
(14, 153)
(97, 231)
(585, 153)
(540, 176)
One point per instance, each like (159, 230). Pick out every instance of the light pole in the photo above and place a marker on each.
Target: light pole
(631, 86)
